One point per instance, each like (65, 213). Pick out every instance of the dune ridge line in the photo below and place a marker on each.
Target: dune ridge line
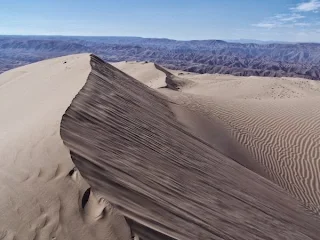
(127, 143)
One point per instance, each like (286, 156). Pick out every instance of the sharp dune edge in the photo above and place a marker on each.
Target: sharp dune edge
(174, 155)
(130, 143)
(268, 125)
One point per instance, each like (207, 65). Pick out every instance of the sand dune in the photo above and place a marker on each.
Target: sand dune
(281, 135)
(128, 141)
(271, 121)
(146, 72)
(152, 75)
(41, 196)
(180, 155)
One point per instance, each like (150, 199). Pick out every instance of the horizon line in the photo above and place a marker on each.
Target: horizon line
(163, 38)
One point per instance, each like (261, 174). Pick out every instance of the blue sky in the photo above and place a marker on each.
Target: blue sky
(281, 20)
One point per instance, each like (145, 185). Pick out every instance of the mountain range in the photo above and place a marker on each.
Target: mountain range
(200, 56)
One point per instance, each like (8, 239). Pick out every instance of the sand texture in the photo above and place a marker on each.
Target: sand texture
(42, 197)
(269, 125)
(90, 152)
(147, 153)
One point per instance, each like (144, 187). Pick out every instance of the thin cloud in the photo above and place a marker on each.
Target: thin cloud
(302, 24)
(280, 20)
(311, 6)
(264, 25)
(288, 17)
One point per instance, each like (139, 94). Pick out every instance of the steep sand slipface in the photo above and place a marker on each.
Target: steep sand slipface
(41, 196)
(274, 122)
(127, 142)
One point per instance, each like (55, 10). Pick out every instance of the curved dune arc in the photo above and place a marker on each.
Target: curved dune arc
(129, 146)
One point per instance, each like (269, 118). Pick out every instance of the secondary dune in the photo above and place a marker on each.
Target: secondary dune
(146, 72)
(42, 195)
(130, 144)
(152, 75)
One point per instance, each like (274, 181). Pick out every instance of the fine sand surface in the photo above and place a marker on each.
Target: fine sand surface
(156, 158)
(41, 196)
(191, 156)
(273, 122)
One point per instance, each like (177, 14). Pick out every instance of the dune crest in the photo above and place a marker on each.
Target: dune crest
(152, 75)
(177, 155)
(269, 125)
(128, 144)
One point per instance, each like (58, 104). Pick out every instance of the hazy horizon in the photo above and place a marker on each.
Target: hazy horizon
(285, 21)
(240, 40)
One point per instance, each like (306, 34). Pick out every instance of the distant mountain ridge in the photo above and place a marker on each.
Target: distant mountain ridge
(201, 56)
(242, 40)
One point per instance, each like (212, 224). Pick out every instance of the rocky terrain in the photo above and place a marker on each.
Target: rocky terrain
(201, 56)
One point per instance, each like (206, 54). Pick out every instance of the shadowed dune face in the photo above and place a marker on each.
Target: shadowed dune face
(128, 144)
(280, 135)
(268, 125)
